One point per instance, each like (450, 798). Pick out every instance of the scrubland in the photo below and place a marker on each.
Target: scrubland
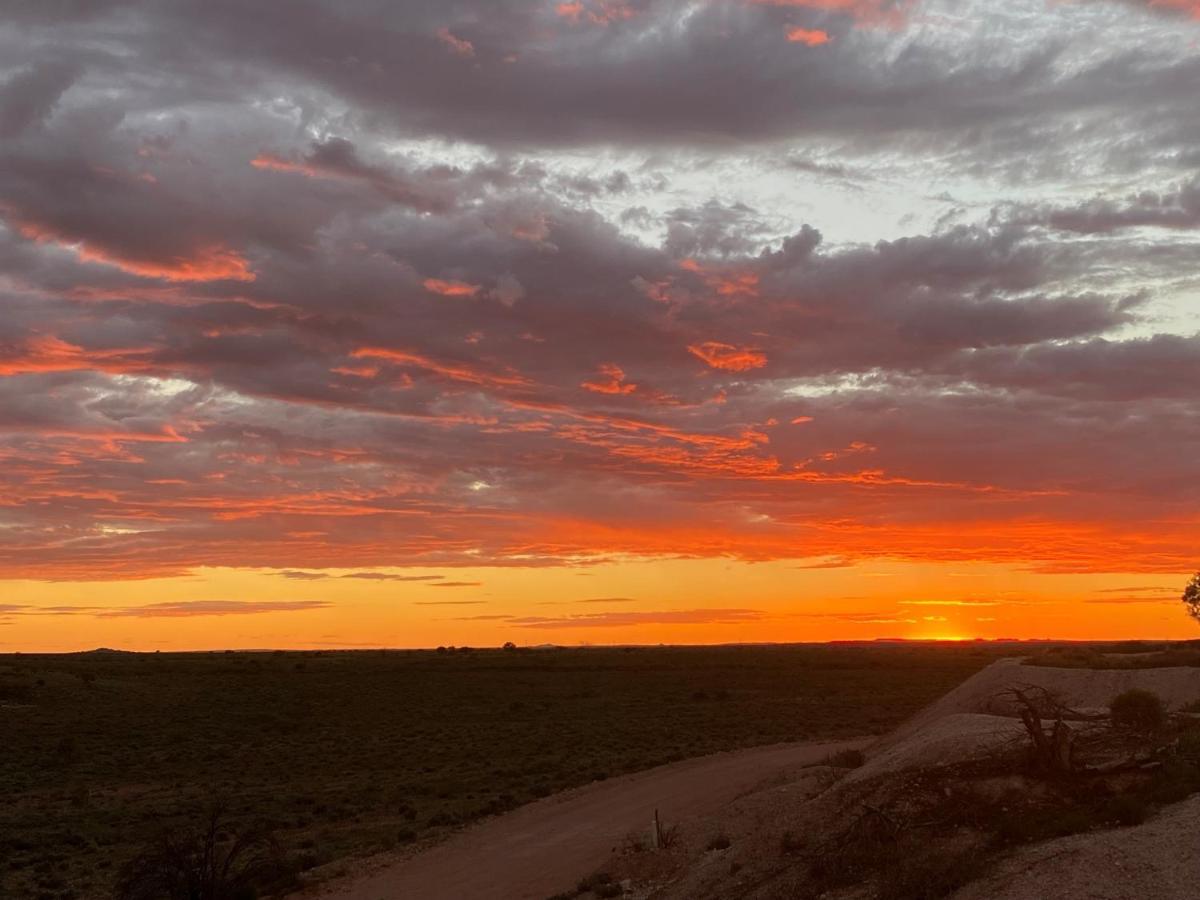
(342, 754)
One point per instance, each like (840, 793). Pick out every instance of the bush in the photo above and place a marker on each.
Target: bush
(1127, 810)
(601, 884)
(203, 862)
(846, 759)
(1139, 711)
(719, 842)
(929, 874)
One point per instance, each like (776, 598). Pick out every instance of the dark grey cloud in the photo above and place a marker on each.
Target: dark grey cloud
(29, 96)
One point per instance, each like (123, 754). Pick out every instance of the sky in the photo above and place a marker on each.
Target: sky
(357, 324)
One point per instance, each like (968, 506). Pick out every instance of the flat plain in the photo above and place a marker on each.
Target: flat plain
(343, 754)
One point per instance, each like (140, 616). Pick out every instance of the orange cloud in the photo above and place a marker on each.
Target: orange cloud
(615, 383)
(724, 282)
(598, 12)
(624, 619)
(273, 163)
(450, 288)
(808, 37)
(454, 371)
(213, 262)
(727, 357)
(51, 354)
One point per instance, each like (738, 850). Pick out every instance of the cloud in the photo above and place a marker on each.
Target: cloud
(828, 564)
(809, 37)
(728, 357)
(29, 96)
(176, 609)
(186, 609)
(1121, 601)
(968, 602)
(249, 323)
(630, 619)
(358, 576)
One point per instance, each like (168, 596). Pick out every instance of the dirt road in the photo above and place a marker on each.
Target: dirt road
(547, 846)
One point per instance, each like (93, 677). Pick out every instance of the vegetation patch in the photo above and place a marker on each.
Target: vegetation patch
(339, 754)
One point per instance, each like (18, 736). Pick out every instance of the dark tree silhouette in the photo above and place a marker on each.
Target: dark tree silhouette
(1191, 597)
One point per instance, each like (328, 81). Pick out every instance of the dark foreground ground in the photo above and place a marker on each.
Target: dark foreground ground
(347, 753)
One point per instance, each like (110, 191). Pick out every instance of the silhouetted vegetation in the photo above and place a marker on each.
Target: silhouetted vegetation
(936, 830)
(845, 759)
(1104, 656)
(1138, 711)
(718, 842)
(362, 752)
(207, 861)
(1191, 597)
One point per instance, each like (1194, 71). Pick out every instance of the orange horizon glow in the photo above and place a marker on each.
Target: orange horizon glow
(682, 602)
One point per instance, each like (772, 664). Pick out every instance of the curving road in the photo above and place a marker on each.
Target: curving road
(547, 846)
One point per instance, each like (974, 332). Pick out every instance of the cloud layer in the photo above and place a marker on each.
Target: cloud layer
(511, 283)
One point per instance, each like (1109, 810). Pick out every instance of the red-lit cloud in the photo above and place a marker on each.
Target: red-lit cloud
(595, 12)
(449, 288)
(213, 262)
(728, 357)
(612, 381)
(810, 37)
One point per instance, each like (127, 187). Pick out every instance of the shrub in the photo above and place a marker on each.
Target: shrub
(719, 842)
(598, 884)
(1176, 780)
(1125, 809)
(929, 874)
(1188, 747)
(203, 862)
(1138, 710)
(846, 759)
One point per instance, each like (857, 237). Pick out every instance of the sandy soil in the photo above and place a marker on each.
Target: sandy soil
(547, 846)
(952, 739)
(1159, 860)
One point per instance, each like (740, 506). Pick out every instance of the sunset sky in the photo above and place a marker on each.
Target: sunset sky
(344, 323)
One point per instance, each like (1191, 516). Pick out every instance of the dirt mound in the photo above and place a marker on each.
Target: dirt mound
(1081, 689)
(1157, 860)
(956, 738)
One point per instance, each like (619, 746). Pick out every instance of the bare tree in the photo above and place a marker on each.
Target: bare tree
(1044, 717)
